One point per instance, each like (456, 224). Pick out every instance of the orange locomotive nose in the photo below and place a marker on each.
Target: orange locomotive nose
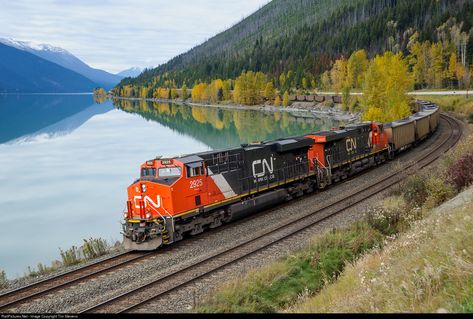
(148, 206)
(145, 200)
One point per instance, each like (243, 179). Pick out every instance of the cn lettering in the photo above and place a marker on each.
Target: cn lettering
(147, 200)
(261, 167)
(351, 144)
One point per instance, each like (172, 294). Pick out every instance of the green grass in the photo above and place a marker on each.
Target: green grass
(41, 270)
(280, 284)
(3, 280)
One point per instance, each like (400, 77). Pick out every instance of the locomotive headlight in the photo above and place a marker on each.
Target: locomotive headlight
(143, 188)
(125, 215)
(148, 215)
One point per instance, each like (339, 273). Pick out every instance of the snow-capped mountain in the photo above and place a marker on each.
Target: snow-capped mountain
(24, 72)
(65, 59)
(31, 46)
(131, 72)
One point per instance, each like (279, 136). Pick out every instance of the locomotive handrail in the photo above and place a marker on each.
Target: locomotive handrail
(231, 159)
(165, 210)
(156, 210)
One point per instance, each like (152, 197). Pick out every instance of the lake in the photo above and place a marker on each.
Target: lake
(65, 162)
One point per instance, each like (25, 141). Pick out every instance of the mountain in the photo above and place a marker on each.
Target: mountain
(67, 60)
(306, 36)
(21, 71)
(131, 72)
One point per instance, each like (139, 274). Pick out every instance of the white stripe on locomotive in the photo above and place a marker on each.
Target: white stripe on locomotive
(222, 184)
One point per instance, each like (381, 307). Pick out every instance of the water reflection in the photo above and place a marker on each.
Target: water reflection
(22, 115)
(220, 127)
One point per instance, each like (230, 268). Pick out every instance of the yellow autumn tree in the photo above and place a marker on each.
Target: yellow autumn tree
(215, 90)
(100, 95)
(198, 92)
(249, 88)
(325, 81)
(184, 92)
(269, 91)
(277, 101)
(435, 74)
(452, 67)
(227, 90)
(386, 83)
(173, 93)
(285, 99)
(356, 67)
(419, 59)
(338, 75)
(143, 92)
(304, 83)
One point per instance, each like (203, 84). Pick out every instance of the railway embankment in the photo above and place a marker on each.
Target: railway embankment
(427, 269)
(412, 252)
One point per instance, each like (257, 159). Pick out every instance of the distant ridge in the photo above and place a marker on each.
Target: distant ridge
(131, 72)
(67, 60)
(23, 72)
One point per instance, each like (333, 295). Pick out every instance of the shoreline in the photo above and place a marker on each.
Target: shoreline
(308, 112)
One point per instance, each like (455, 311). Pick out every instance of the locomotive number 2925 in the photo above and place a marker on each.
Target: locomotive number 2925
(196, 183)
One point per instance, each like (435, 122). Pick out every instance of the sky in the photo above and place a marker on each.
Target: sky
(115, 35)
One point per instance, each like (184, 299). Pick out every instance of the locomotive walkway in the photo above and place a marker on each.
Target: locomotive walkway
(140, 297)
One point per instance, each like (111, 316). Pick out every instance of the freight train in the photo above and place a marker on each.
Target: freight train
(182, 196)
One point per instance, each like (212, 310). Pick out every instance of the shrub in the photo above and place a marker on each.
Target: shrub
(94, 247)
(385, 220)
(71, 256)
(470, 117)
(42, 270)
(393, 215)
(461, 172)
(3, 280)
(438, 191)
(414, 190)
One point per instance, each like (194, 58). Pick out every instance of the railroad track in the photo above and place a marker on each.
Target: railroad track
(27, 293)
(14, 298)
(139, 297)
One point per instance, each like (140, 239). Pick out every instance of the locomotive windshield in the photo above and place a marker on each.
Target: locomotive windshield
(148, 172)
(169, 172)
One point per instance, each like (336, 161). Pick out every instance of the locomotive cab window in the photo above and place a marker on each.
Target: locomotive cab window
(195, 169)
(169, 172)
(148, 172)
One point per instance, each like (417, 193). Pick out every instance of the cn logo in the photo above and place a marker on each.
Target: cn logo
(261, 167)
(147, 200)
(350, 144)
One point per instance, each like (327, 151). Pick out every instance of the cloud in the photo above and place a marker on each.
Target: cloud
(117, 34)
